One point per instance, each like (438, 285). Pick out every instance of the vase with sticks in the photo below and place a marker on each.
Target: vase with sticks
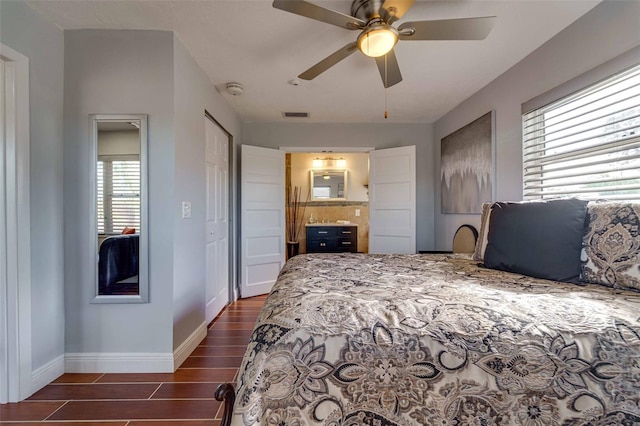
(295, 218)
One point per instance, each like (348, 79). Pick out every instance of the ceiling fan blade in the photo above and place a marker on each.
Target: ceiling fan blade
(448, 29)
(313, 11)
(328, 62)
(392, 10)
(389, 69)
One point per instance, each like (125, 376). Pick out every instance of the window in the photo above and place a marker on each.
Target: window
(321, 192)
(118, 194)
(586, 144)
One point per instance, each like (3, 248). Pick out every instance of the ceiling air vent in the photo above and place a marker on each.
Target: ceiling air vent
(295, 114)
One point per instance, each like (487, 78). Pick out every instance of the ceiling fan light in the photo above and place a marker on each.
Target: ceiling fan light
(377, 40)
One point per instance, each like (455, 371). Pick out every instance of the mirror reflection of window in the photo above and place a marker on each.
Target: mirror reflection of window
(118, 194)
(321, 192)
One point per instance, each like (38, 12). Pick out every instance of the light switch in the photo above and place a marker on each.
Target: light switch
(186, 209)
(357, 212)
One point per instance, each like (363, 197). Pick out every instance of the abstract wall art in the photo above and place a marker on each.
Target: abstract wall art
(466, 167)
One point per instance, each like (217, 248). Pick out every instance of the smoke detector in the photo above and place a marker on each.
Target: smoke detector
(235, 89)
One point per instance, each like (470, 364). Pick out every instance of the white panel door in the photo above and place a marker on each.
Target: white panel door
(262, 179)
(217, 219)
(392, 200)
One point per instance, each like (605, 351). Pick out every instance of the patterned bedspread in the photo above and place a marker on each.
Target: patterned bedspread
(352, 339)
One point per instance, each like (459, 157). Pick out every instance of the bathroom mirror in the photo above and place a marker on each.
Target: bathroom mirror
(327, 185)
(119, 212)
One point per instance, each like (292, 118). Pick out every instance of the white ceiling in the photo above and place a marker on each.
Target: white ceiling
(263, 48)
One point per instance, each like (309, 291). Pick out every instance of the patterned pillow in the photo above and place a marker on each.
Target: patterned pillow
(612, 245)
(481, 243)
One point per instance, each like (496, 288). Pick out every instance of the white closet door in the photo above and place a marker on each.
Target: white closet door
(392, 200)
(217, 219)
(262, 180)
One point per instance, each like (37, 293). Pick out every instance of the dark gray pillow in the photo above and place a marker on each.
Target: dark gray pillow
(541, 239)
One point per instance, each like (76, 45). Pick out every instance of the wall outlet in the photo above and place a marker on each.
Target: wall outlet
(186, 210)
(357, 212)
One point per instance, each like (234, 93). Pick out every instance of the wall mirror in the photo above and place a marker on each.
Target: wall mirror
(328, 185)
(119, 219)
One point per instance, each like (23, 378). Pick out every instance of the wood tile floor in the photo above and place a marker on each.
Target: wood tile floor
(160, 399)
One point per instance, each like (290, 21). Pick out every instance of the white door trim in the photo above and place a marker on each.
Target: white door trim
(15, 251)
(326, 149)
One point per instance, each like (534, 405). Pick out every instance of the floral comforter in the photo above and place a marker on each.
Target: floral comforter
(352, 339)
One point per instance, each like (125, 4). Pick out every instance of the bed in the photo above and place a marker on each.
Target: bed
(118, 259)
(353, 339)
(540, 327)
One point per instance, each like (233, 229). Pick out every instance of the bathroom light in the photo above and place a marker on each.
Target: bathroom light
(326, 177)
(329, 163)
(377, 40)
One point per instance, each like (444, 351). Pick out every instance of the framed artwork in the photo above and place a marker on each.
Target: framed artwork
(466, 167)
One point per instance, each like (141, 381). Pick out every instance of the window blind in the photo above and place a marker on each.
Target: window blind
(125, 195)
(118, 195)
(586, 144)
(100, 197)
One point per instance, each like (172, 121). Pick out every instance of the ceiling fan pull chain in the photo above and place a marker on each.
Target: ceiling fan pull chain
(386, 76)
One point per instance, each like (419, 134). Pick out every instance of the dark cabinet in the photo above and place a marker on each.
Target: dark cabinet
(332, 239)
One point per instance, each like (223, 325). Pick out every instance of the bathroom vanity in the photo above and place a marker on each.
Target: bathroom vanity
(331, 238)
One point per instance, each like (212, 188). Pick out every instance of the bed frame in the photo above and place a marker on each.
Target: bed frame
(226, 394)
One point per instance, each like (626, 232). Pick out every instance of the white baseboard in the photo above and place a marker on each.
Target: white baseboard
(47, 374)
(183, 351)
(98, 362)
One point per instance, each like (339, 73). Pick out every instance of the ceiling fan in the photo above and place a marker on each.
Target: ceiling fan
(377, 38)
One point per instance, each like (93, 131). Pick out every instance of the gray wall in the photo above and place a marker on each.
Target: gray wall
(605, 32)
(118, 72)
(27, 32)
(146, 72)
(379, 136)
(193, 94)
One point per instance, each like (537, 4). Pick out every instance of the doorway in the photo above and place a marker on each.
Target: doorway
(262, 205)
(15, 257)
(333, 188)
